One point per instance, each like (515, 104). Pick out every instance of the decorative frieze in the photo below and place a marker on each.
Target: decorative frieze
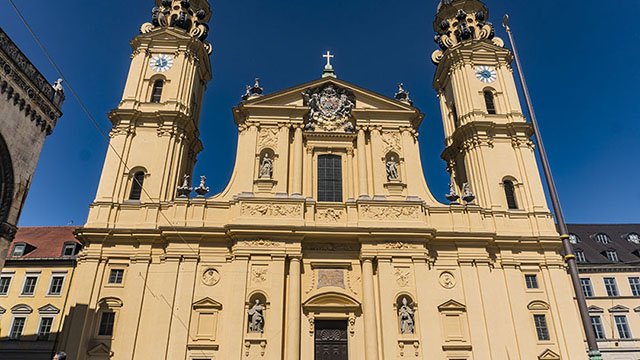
(392, 141)
(403, 277)
(390, 212)
(330, 215)
(272, 210)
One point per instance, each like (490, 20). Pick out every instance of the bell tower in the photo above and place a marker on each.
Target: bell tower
(489, 151)
(155, 127)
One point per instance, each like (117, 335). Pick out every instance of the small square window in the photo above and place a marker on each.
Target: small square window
(5, 282)
(107, 320)
(116, 276)
(29, 287)
(17, 328)
(56, 285)
(69, 249)
(18, 250)
(531, 281)
(45, 328)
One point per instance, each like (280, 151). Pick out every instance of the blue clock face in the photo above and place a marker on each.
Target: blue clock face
(161, 63)
(486, 74)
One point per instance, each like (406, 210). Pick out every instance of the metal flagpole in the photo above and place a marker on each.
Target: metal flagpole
(570, 259)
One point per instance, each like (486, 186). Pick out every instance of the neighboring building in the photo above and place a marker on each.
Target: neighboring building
(327, 242)
(29, 110)
(609, 264)
(34, 286)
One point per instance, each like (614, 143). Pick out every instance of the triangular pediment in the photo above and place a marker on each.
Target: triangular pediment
(48, 309)
(452, 305)
(618, 309)
(207, 303)
(100, 350)
(548, 355)
(595, 309)
(365, 99)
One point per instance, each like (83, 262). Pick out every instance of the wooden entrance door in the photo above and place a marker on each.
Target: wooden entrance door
(331, 341)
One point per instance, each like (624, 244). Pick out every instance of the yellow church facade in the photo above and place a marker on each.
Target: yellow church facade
(327, 242)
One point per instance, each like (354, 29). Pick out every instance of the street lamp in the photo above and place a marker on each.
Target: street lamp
(570, 259)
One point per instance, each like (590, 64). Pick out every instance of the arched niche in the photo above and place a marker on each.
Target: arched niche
(256, 308)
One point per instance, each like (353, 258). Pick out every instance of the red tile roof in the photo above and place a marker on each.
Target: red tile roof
(43, 242)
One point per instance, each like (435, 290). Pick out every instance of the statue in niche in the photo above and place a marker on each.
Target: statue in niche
(392, 169)
(256, 318)
(266, 167)
(405, 314)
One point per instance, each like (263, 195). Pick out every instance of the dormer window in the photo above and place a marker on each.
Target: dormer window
(612, 255)
(70, 249)
(580, 256)
(603, 238)
(633, 238)
(18, 250)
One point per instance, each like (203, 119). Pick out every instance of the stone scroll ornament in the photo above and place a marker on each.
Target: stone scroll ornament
(180, 14)
(330, 109)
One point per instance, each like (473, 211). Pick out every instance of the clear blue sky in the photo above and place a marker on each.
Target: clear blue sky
(579, 57)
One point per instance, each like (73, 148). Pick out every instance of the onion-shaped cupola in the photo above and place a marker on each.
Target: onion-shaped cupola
(189, 15)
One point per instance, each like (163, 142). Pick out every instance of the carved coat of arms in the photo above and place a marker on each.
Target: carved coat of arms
(330, 109)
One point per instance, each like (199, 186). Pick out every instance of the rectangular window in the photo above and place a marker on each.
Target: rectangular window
(623, 327)
(587, 288)
(5, 281)
(634, 282)
(45, 328)
(598, 329)
(541, 327)
(611, 286)
(17, 328)
(612, 255)
(107, 320)
(116, 276)
(56, 285)
(18, 250)
(329, 178)
(580, 257)
(30, 285)
(532, 281)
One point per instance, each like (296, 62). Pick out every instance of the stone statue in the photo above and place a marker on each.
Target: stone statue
(405, 314)
(392, 169)
(266, 167)
(202, 189)
(468, 195)
(256, 318)
(185, 189)
(57, 86)
(452, 196)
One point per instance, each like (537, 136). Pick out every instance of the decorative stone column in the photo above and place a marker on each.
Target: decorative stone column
(293, 315)
(297, 161)
(351, 192)
(369, 311)
(362, 165)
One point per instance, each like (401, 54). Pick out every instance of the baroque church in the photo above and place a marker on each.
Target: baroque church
(327, 243)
